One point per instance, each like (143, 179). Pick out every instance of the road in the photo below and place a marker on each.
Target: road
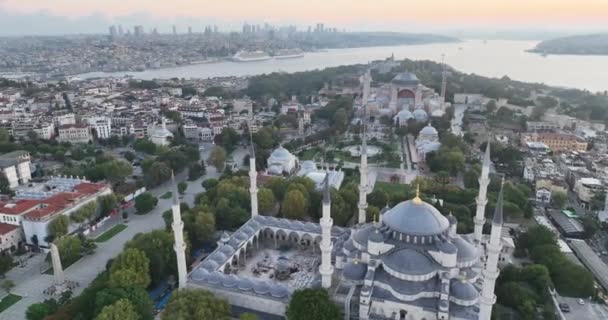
(31, 284)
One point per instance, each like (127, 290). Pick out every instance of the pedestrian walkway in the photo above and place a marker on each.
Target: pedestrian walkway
(86, 269)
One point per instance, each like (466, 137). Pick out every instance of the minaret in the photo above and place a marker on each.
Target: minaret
(367, 80)
(490, 273)
(253, 176)
(444, 79)
(58, 276)
(178, 234)
(482, 197)
(326, 269)
(363, 187)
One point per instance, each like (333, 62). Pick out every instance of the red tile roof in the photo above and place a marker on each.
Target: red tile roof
(6, 228)
(38, 209)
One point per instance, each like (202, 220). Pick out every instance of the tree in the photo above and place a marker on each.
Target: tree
(158, 173)
(5, 187)
(340, 120)
(203, 168)
(59, 226)
(200, 227)
(138, 297)
(130, 269)
(559, 198)
(145, 145)
(116, 171)
(217, 158)
(248, 316)
(312, 304)
(4, 136)
(181, 187)
(196, 304)
(85, 212)
(70, 249)
(195, 171)
(157, 246)
(119, 310)
(145, 202)
(38, 311)
(107, 203)
(8, 285)
(266, 200)
(295, 205)
(129, 156)
(6, 263)
(590, 225)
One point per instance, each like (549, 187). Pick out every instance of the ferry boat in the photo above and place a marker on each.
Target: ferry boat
(251, 56)
(289, 53)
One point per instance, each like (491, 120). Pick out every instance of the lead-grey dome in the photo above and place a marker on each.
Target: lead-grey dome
(417, 218)
(420, 115)
(466, 251)
(406, 78)
(463, 290)
(428, 130)
(409, 261)
(281, 153)
(355, 271)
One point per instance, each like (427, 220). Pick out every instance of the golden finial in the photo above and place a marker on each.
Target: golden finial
(463, 277)
(356, 260)
(417, 199)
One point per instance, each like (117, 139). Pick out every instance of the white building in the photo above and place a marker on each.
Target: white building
(75, 133)
(586, 188)
(427, 141)
(281, 161)
(16, 167)
(64, 119)
(102, 126)
(160, 135)
(309, 169)
(543, 196)
(45, 130)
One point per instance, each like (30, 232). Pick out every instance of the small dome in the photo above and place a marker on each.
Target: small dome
(230, 281)
(406, 78)
(355, 271)
(261, 287)
(409, 261)
(466, 250)
(376, 236)
(278, 291)
(416, 218)
(281, 153)
(447, 247)
(227, 250)
(428, 130)
(463, 290)
(420, 115)
(452, 219)
(308, 165)
(215, 277)
(199, 274)
(218, 257)
(210, 265)
(362, 235)
(245, 284)
(404, 115)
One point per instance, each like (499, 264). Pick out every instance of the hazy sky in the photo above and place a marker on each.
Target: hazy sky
(95, 15)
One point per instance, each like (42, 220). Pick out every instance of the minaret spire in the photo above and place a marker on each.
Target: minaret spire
(178, 234)
(326, 269)
(253, 176)
(490, 273)
(482, 197)
(363, 185)
(444, 78)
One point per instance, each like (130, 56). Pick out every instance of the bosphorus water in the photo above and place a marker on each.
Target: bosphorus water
(495, 58)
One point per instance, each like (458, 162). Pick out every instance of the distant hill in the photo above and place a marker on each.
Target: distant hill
(592, 44)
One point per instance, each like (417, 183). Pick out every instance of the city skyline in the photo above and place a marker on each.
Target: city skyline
(93, 16)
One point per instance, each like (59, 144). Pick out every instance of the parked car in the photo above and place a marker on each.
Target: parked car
(564, 307)
(581, 302)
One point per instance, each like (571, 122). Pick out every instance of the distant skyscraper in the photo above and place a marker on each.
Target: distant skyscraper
(155, 31)
(189, 30)
(113, 32)
(138, 31)
(174, 30)
(120, 31)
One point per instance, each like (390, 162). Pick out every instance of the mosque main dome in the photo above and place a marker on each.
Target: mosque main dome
(417, 218)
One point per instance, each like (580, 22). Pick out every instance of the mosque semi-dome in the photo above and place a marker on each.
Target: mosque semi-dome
(428, 130)
(415, 217)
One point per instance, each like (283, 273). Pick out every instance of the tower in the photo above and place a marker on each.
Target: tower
(178, 233)
(490, 273)
(326, 269)
(367, 79)
(253, 176)
(482, 197)
(444, 79)
(363, 187)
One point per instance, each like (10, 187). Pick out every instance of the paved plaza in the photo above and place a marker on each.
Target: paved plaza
(30, 282)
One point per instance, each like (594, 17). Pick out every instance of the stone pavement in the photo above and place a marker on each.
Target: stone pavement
(32, 283)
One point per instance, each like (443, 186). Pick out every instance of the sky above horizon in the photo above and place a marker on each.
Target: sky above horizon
(398, 15)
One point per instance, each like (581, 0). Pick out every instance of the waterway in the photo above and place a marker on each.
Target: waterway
(495, 58)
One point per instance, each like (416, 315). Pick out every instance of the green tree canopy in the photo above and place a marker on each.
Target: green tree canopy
(295, 205)
(312, 304)
(266, 200)
(107, 203)
(130, 269)
(157, 246)
(119, 310)
(145, 202)
(559, 198)
(196, 304)
(217, 158)
(59, 226)
(137, 296)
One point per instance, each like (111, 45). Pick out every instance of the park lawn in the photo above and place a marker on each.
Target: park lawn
(8, 301)
(110, 233)
(167, 195)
